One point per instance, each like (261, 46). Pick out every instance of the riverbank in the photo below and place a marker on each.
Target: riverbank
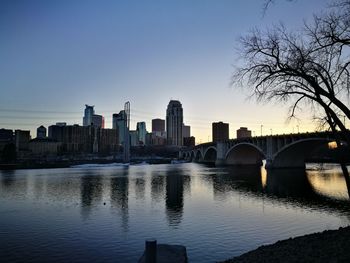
(327, 246)
(68, 163)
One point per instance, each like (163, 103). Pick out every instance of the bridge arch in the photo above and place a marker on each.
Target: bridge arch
(210, 155)
(198, 156)
(244, 154)
(294, 154)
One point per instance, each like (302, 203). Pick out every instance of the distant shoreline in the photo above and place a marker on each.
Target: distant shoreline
(326, 246)
(69, 163)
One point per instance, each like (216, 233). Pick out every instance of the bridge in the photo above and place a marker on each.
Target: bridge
(279, 151)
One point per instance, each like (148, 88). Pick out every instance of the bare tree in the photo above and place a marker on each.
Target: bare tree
(309, 68)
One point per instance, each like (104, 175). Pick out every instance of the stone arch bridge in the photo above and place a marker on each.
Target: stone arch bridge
(279, 151)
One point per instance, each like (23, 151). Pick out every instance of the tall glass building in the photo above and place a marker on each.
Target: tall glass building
(174, 121)
(141, 132)
(119, 123)
(88, 113)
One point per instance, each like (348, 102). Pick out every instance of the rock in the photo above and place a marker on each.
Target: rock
(169, 254)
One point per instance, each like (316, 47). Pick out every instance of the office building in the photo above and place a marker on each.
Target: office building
(6, 137)
(133, 138)
(158, 125)
(141, 132)
(174, 121)
(119, 124)
(88, 113)
(98, 121)
(243, 132)
(220, 131)
(186, 131)
(22, 140)
(189, 141)
(41, 132)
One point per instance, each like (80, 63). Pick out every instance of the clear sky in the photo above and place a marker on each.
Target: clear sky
(57, 56)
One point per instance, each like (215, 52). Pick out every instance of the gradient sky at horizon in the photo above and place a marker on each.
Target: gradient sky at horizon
(57, 56)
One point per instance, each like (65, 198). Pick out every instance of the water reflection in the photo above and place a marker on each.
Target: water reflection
(174, 196)
(329, 183)
(91, 192)
(236, 178)
(157, 187)
(120, 196)
(288, 183)
(8, 178)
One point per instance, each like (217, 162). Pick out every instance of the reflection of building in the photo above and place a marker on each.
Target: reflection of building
(174, 121)
(243, 132)
(120, 196)
(158, 125)
(119, 123)
(220, 131)
(174, 197)
(22, 140)
(91, 193)
(141, 132)
(41, 132)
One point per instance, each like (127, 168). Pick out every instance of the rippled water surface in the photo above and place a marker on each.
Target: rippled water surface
(105, 213)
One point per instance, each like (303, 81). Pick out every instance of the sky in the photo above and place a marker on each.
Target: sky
(57, 56)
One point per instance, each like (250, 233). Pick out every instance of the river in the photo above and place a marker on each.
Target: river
(104, 213)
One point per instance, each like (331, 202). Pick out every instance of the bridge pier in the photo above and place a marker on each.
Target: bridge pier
(221, 149)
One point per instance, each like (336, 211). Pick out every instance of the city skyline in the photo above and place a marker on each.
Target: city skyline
(57, 57)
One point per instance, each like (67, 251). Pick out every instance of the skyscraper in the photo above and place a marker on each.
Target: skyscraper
(119, 122)
(141, 132)
(158, 125)
(41, 132)
(88, 113)
(220, 131)
(174, 121)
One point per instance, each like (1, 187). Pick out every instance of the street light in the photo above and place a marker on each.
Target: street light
(261, 126)
(298, 128)
(271, 131)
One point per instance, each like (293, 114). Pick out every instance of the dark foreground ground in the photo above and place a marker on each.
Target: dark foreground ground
(328, 246)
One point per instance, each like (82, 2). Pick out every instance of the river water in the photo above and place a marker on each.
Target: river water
(104, 213)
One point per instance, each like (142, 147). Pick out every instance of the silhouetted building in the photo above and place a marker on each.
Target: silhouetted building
(6, 137)
(186, 131)
(108, 140)
(158, 125)
(74, 138)
(61, 123)
(98, 121)
(190, 141)
(174, 121)
(84, 139)
(220, 131)
(243, 132)
(119, 123)
(21, 140)
(44, 147)
(41, 132)
(88, 113)
(134, 140)
(141, 132)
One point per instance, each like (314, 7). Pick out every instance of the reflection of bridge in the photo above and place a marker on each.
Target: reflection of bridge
(279, 151)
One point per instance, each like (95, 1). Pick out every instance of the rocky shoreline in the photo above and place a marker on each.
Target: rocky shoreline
(327, 246)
